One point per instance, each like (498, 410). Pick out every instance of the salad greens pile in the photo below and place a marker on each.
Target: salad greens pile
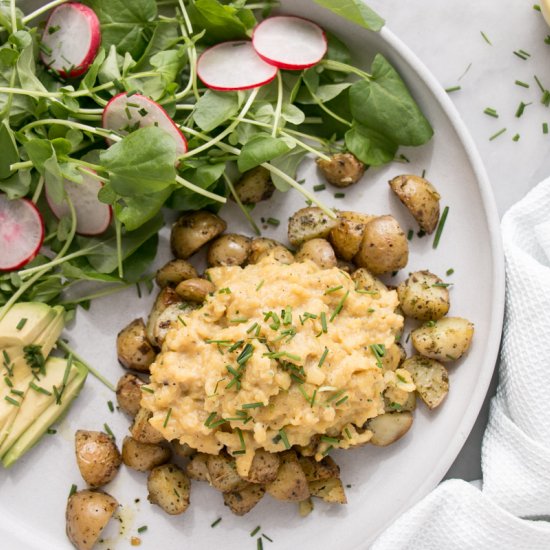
(51, 130)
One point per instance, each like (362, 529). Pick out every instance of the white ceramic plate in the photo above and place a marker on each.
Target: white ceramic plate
(384, 481)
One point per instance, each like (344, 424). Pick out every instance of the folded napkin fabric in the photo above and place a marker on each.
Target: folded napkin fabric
(512, 508)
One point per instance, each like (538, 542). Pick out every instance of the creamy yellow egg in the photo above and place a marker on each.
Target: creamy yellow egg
(277, 356)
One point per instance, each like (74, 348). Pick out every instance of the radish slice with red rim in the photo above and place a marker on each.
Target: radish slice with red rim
(71, 39)
(232, 66)
(124, 114)
(289, 42)
(21, 232)
(92, 216)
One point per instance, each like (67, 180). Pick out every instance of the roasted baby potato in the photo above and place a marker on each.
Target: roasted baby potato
(182, 449)
(255, 186)
(290, 483)
(347, 234)
(444, 340)
(430, 378)
(423, 296)
(97, 457)
(87, 514)
(264, 468)
(389, 427)
(309, 223)
(197, 468)
(170, 318)
(342, 170)
(280, 254)
(134, 350)
(241, 501)
(174, 272)
(143, 456)
(260, 247)
(169, 487)
(142, 430)
(319, 251)
(305, 507)
(365, 280)
(222, 473)
(166, 297)
(384, 247)
(195, 290)
(330, 490)
(318, 470)
(128, 393)
(193, 230)
(391, 405)
(421, 199)
(229, 249)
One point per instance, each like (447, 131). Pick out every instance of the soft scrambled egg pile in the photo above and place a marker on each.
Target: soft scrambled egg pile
(279, 355)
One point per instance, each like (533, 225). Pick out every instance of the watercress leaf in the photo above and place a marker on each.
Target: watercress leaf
(260, 149)
(18, 185)
(289, 165)
(134, 211)
(110, 68)
(8, 57)
(61, 146)
(214, 108)
(8, 147)
(142, 162)
(206, 174)
(80, 269)
(125, 24)
(168, 64)
(219, 21)
(292, 114)
(140, 261)
(26, 71)
(91, 74)
(325, 93)
(337, 50)
(165, 36)
(370, 146)
(183, 199)
(106, 194)
(384, 104)
(70, 172)
(42, 154)
(263, 111)
(21, 39)
(356, 11)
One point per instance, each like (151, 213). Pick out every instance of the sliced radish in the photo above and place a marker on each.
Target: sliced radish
(92, 216)
(233, 66)
(124, 114)
(71, 39)
(289, 42)
(21, 232)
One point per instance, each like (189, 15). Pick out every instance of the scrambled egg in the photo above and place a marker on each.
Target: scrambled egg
(279, 355)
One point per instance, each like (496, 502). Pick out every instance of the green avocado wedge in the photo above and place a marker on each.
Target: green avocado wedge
(34, 432)
(24, 322)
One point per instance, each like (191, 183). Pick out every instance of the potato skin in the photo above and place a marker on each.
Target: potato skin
(197, 468)
(254, 186)
(319, 251)
(365, 280)
(384, 247)
(444, 340)
(290, 483)
(128, 393)
(174, 272)
(347, 235)
(421, 199)
(222, 473)
(142, 430)
(264, 468)
(389, 427)
(195, 290)
(260, 247)
(229, 249)
(193, 230)
(87, 514)
(143, 456)
(317, 470)
(97, 457)
(134, 350)
(168, 319)
(421, 297)
(431, 379)
(169, 487)
(242, 501)
(309, 223)
(342, 170)
(330, 490)
(166, 297)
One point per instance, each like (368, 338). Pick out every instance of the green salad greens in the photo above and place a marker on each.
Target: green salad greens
(51, 130)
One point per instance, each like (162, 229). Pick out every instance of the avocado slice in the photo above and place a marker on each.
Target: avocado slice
(24, 322)
(39, 397)
(38, 428)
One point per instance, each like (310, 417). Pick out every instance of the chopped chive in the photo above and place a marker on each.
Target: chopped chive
(547, 39)
(19, 393)
(486, 38)
(273, 221)
(346, 431)
(516, 138)
(148, 390)
(241, 438)
(323, 321)
(21, 323)
(220, 342)
(260, 285)
(320, 187)
(51, 431)
(253, 405)
(453, 89)
(521, 108)
(521, 54)
(143, 112)
(287, 316)
(327, 439)
(339, 306)
(491, 112)
(251, 328)
(424, 173)
(239, 320)
(236, 346)
(168, 414)
(111, 406)
(464, 73)
(499, 133)
(313, 396)
(259, 544)
(281, 354)
(449, 272)
(245, 354)
(308, 315)
(536, 7)
(266, 537)
(284, 438)
(333, 289)
(323, 357)
(12, 401)
(539, 84)
(252, 533)
(339, 195)
(442, 285)
(218, 423)
(8, 382)
(337, 395)
(109, 431)
(225, 290)
(522, 84)
(72, 490)
(327, 451)
(143, 528)
(440, 226)
(410, 235)
(545, 127)
(39, 389)
(53, 29)
(545, 99)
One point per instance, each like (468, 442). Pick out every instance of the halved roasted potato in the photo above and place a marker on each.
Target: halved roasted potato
(242, 500)
(193, 230)
(315, 470)
(444, 340)
(290, 483)
(143, 456)
(420, 197)
(195, 290)
(170, 318)
(348, 232)
(229, 249)
(342, 170)
(134, 350)
(142, 430)
(97, 457)
(424, 296)
(169, 487)
(330, 490)
(264, 467)
(309, 223)
(222, 473)
(365, 280)
(174, 272)
(128, 393)
(389, 427)
(254, 186)
(197, 468)
(166, 297)
(319, 251)
(305, 507)
(430, 378)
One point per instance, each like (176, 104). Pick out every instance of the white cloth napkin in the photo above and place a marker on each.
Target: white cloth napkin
(512, 508)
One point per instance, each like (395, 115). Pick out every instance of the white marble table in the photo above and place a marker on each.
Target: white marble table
(447, 36)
